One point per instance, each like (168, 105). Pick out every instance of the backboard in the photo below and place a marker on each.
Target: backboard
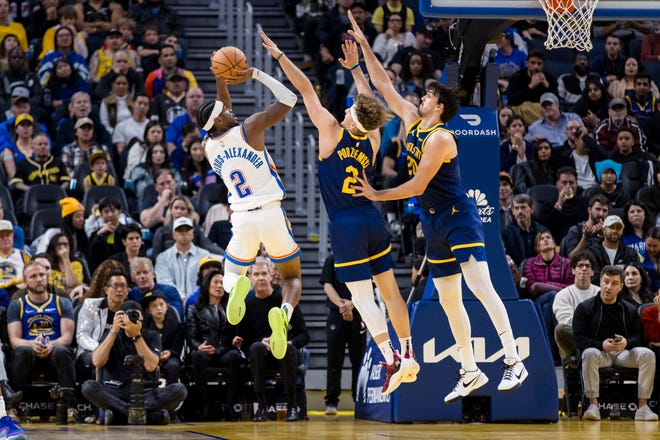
(522, 9)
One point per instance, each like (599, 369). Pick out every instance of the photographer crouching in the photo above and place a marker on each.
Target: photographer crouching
(127, 359)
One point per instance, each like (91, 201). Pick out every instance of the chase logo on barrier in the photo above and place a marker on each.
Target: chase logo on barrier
(471, 119)
(483, 207)
(430, 355)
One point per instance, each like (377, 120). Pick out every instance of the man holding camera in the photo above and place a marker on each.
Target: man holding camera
(128, 358)
(40, 327)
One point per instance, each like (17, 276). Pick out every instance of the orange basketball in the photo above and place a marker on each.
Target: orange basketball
(561, 6)
(228, 61)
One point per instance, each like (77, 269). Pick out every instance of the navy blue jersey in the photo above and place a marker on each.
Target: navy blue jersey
(338, 172)
(446, 187)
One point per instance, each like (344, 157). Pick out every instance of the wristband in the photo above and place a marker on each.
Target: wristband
(136, 337)
(277, 58)
(354, 66)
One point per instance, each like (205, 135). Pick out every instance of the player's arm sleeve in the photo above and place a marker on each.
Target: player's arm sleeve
(283, 94)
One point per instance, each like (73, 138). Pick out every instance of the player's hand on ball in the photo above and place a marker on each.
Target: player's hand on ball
(240, 77)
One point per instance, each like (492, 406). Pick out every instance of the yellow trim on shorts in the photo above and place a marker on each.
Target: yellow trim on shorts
(365, 260)
(448, 260)
(466, 245)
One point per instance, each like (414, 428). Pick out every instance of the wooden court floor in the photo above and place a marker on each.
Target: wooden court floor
(345, 427)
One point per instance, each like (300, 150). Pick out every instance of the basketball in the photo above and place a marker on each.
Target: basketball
(228, 61)
(561, 6)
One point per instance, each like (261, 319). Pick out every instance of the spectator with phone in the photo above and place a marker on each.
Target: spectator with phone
(608, 332)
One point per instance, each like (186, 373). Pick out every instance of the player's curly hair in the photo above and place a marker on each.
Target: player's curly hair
(447, 96)
(369, 111)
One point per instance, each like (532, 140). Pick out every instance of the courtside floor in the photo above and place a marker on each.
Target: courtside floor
(344, 427)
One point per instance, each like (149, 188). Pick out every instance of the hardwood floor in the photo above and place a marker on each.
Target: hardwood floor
(346, 427)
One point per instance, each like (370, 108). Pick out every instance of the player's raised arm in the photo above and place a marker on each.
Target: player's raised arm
(324, 121)
(222, 93)
(404, 109)
(351, 62)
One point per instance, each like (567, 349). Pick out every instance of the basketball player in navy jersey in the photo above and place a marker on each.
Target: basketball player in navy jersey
(345, 151)
(360, 241)
(451, 225)
(237, 153)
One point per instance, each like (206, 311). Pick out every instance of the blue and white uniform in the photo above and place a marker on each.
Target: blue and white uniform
(255, 192)
(360, 241)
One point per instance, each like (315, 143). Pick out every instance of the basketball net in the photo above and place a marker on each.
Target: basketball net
(569, 23)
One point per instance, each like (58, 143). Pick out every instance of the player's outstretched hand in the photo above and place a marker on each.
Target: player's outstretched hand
(356, 32)
(270, 46)
(363, 188)
(241, 77)
(350, 54)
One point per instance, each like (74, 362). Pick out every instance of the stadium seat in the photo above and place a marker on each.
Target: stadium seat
(41, 197)
(543, 195)
(210, 195)
(7, 201)
(634, 175)
(95, 193)
(42, 220)
(653, 69)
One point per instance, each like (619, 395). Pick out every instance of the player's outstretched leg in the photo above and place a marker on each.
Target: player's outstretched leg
(236, 302)
(477, 277)
(279, 325)
(398, 312)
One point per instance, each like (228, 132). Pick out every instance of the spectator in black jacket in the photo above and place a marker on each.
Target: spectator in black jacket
(611, 244)
(569, 208)
(519, 236)
(608, 332)
(213, 343)
(155, 12)
(255, 332)
(527, 86)
(163, 319)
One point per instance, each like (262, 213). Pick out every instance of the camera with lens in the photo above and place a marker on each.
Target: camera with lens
(136, 412)
(134, 364)
(64, 397)
(133, 315)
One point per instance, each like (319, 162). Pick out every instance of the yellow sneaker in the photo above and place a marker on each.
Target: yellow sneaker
(236, 302)
(279, 323)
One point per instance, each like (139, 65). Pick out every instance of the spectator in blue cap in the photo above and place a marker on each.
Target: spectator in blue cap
(608, 174)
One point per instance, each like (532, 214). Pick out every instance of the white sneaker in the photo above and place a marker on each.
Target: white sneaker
(410, 368)
(514, 375)
(592, 413)
(644, 413)
(468, 381)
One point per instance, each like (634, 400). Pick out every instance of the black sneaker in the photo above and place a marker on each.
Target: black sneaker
(158, 417)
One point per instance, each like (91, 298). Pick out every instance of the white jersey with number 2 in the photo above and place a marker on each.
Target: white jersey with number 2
(249, 174)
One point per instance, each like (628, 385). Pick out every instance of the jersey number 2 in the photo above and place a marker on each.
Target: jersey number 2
(350, 180)
(238, 179)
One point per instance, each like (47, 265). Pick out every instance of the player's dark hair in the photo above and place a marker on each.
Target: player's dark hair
(447, 96)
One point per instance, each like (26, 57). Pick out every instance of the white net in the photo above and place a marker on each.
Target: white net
(569, 23)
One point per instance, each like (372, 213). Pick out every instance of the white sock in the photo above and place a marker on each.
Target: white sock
(3, 410)
(388, 353)
(406, 346)
(289, 310)
(232, 272)
(391, 216)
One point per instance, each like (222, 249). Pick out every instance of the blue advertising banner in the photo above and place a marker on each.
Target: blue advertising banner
(434, 344)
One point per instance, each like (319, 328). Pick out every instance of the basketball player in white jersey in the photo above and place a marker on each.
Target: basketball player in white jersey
(237, 152)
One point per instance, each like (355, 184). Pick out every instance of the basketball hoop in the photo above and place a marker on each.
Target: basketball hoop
(569, 23)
